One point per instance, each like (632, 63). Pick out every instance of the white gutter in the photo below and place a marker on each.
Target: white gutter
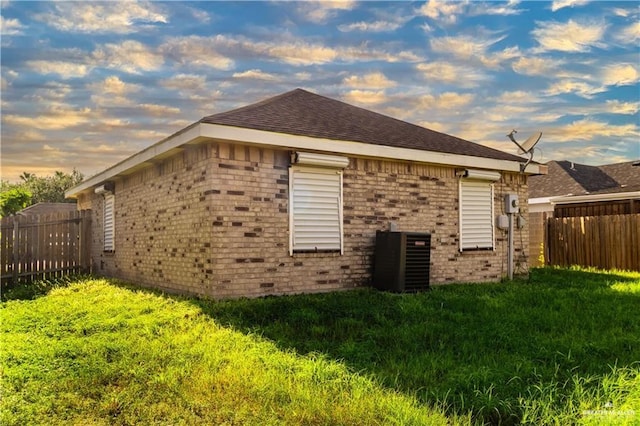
(572, 199)
(540, 200)
(540, 204)
(205, 131)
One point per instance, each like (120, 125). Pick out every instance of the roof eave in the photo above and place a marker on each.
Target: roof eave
(205, 131)
(175, 142)
(614, 196)
(540, 200)
(261, 137)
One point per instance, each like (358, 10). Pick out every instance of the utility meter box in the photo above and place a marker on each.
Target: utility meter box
(511, 204)
(503, 221)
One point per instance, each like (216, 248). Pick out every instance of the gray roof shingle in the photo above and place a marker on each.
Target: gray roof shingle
(627, 173)
(568, 178)
(591, 178)
(299, 112)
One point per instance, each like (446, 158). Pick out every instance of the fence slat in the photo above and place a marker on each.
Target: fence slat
(598, 243)
(635, 240)
(44, 246)
(4, 249)
(16, 248)
(606, 242)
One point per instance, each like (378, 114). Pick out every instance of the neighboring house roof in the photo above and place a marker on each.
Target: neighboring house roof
(48, 208)
(565, 178)
(590, 178)
(300, 120)
(557, 181)
(627, 173)
(299, 112)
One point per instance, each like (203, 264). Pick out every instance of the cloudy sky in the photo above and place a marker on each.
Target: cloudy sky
(85, 85)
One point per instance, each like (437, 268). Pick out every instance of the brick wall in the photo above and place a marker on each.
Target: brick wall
(213, 220)
(424, 198)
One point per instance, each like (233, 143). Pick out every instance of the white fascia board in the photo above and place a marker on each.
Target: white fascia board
(632, 195)
(541, 204)
(539, 200)
(260, 137)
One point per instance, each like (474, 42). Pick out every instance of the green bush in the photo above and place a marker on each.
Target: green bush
(13, 200)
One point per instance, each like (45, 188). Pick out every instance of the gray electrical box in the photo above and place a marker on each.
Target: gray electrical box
(503, 221)
(511, 204)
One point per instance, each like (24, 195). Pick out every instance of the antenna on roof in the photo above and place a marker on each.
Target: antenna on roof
(526, 147)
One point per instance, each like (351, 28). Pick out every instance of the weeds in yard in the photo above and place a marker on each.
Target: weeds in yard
(36, 288)
(532, 351)
(96, 353)
(612, 398)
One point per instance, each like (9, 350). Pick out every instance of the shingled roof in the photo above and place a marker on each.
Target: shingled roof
(568, 178)
(302, 120)
(302, 113)
(627, 174)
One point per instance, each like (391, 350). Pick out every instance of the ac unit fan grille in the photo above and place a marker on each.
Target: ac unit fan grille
(418, 248)
(402, 261)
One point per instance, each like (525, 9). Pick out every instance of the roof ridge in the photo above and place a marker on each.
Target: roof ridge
(256, 104)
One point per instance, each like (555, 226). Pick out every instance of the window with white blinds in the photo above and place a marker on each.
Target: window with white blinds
(476, 214)
(315, 211)
(108, 223)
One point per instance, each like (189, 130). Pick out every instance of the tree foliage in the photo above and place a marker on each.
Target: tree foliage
(13, 200)
(48, 189)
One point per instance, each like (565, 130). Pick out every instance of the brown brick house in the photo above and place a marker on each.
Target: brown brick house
(286, 196)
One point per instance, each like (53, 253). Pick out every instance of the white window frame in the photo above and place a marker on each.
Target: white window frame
(466, 207)
(108, 224)
(298, 247)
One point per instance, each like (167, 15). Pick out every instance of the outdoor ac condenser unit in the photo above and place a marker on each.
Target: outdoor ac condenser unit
(402, 261)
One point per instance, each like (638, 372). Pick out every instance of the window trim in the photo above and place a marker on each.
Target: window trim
(310, 169)
(490, 184)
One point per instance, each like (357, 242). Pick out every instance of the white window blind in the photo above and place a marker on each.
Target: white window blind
(108, 225)
(315, 209)
(476, 214)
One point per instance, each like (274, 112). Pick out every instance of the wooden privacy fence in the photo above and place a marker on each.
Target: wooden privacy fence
(44, 246)
(606, 242)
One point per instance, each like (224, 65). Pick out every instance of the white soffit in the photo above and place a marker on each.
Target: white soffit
(200, 131)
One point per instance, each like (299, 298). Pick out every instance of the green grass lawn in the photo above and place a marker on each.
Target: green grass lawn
(560, 348)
